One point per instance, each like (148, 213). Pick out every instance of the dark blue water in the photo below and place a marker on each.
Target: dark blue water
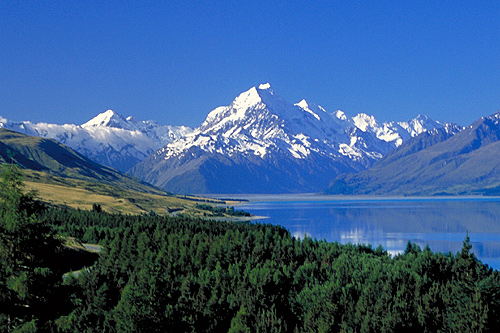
(441, 223)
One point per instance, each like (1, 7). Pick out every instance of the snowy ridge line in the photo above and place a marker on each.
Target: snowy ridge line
(259, 122)
(260, 143)
(109, 138)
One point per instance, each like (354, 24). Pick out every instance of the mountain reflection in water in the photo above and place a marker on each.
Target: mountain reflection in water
(441, 223)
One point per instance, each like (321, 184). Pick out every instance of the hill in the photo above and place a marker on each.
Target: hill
(63, 177)
(48, 155)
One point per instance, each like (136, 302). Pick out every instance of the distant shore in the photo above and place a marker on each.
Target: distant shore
(242, 199)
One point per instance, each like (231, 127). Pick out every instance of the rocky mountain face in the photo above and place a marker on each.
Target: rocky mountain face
(109, 138)
(264, 144)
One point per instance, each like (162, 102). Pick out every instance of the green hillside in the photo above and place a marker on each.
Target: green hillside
(65, 178)
(47, 155)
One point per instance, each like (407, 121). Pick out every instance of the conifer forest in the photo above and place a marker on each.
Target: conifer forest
(184, 274)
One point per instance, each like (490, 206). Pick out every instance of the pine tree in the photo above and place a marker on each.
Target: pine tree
(26, 248)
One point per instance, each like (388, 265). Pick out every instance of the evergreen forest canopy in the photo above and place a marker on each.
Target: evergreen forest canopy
(158, 274)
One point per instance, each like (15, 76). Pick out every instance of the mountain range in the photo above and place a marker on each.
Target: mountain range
(49, 158)
(261, 143)
(109, 138)
(446, 161)
(62, 177)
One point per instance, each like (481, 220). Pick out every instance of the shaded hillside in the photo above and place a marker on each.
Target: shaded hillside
(217, 173)
(10, 155)
(49, 156)
(64, 178)
(435, 163)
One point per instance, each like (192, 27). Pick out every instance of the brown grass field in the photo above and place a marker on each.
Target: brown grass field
(79, 194)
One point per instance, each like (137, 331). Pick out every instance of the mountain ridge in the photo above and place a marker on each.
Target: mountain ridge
(458, 163)
(282, 147)
(52, 157)
(108, 138)
(259, 136)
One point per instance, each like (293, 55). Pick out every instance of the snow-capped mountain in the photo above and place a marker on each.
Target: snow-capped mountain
(159, 134)
(259, 123)
(395, 132)
(259, 143)
(109, 138)
(262, 143)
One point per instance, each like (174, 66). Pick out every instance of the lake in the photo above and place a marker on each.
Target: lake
(442, 223)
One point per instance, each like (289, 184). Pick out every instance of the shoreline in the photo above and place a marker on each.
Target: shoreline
(247, 198)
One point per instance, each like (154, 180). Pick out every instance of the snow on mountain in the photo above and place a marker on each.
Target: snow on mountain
(160, 135)
(109, 138)
(395, 132)
(259, 122)
(109, 119)
(263, 131)
(259, 141)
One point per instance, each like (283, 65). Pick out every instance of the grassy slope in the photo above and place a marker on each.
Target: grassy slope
(64, 178)
(75, 193)
(47, 155)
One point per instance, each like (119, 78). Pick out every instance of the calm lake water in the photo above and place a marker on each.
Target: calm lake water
(442, 223)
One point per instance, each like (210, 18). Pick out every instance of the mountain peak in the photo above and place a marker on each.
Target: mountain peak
(364, 121)
(261, 94)
(495, 116)
(108, 118)
(303, 104)
(422, 116)
(340, 115)
(424, 120)
(313, 109)
(248, 98)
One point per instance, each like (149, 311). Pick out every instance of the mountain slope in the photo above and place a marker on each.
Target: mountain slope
(51, 157)
(465, 163)
(109, 138)
(65, 178)
(263, 144)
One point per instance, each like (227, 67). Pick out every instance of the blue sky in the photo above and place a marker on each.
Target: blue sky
(174, 61)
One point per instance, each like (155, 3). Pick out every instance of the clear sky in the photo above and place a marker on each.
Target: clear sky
(174, 61)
